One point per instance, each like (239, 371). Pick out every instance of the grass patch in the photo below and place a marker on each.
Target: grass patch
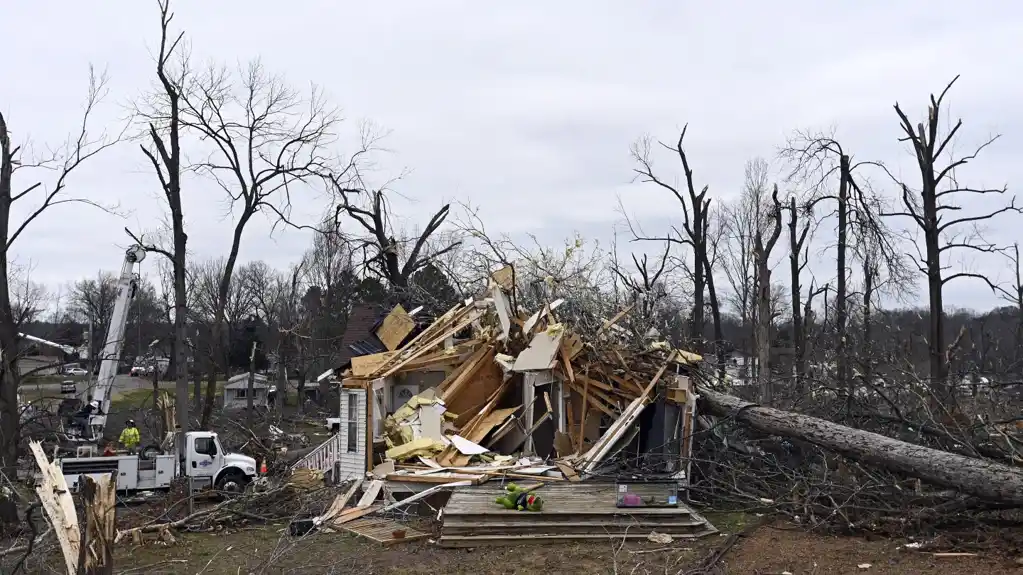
(142, 396)
(729, 522)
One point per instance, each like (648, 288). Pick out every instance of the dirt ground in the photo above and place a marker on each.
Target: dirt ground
(772, 549)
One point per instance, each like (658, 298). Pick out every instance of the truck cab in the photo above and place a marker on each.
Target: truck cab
(205, 458)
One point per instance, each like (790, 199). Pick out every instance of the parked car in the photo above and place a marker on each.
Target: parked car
(77, 371)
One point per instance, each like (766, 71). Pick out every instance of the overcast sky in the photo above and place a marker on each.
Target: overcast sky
(525, 108)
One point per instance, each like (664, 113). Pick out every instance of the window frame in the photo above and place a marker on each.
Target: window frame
(352, 431)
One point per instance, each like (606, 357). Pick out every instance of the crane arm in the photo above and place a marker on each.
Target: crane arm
(127, 285)
(64, 348)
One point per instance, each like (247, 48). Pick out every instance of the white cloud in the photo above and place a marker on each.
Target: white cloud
(526, 109)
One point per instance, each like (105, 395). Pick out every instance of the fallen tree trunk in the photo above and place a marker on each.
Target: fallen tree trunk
(978, 477)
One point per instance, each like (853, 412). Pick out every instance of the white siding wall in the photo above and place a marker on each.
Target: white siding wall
(353, 464)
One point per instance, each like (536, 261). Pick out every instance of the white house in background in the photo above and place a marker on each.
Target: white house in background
(236, 392)
(38, 365)
(737, 365)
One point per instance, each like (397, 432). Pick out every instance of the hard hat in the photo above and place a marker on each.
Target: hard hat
(131, 422)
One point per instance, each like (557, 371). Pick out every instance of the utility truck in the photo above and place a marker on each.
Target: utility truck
(201, 456)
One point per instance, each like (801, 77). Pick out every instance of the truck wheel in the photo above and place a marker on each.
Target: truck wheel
(150, 452)
(232, 482)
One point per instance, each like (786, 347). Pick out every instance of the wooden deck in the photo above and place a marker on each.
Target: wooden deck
(382, 530)
(572, 511)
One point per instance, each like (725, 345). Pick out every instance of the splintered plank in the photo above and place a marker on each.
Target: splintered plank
(382, 531)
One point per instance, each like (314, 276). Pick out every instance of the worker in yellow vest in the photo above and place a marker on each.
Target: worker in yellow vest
(130, 436)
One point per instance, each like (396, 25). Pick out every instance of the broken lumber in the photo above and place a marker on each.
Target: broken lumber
(984, 479)
(56, 500)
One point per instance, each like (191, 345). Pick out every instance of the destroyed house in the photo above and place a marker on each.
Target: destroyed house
(482, 394)
(410, 391)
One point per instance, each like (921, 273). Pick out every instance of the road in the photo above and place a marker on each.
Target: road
(122, 383)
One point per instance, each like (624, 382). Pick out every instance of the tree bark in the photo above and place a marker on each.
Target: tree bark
(249, 400)
(842, 359)
(762, 254)
(796, 240)
(96, 556)
(866, 347)
(9, 375)
(985, 479)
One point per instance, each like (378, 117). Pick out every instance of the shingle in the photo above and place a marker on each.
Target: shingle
(358, 329)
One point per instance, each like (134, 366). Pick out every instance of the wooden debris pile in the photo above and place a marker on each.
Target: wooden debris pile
(509, 393)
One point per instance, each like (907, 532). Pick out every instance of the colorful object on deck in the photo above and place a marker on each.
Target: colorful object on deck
(519, 499)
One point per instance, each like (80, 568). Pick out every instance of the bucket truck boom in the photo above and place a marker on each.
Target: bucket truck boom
(67, 349)
(127, 285)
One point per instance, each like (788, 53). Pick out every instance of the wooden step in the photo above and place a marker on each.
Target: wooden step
(574, 528)
(533, 539)
(554, 516)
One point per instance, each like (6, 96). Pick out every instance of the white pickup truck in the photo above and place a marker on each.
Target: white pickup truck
(205, 458)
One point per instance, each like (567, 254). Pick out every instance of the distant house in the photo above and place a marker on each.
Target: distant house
(236, 392)
(740, 367)
(39, 365)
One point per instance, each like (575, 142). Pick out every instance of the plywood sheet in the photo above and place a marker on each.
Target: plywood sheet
(366, 365)
(395, 328)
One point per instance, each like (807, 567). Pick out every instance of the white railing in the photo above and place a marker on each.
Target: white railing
(323, 457)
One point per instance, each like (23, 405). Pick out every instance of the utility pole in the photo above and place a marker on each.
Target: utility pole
(252, 384)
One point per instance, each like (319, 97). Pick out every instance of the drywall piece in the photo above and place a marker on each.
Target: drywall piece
(531, 322)
(503, 307)
(382, 469)
(541, 353)
(466, 447)
(371, 494)
(430, 421)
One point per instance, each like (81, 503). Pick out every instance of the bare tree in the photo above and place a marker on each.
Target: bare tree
(799, 232)
(645, 285)
(91, 301)
(163, 132)
(816, 160)
(1013, 294)
(28, 298)
(18, 186)
(928, 207)
(694, 230)
(393, 260)
(293, 334)
(743, 220)
(265, 140)
(763, 245)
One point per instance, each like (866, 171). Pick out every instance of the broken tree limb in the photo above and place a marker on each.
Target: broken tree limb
(984, 479)
(59, 507)
(96, 555)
